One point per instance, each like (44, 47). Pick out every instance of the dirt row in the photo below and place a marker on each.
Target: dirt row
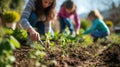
(91, 56)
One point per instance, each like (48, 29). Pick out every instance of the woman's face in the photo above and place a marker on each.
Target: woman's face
(46, 3)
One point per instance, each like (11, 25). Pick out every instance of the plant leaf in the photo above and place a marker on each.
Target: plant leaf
(14, 42)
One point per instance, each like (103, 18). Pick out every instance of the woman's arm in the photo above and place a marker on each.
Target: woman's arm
(25, 23)
(26, 13)
(77, 21)
(92, 28)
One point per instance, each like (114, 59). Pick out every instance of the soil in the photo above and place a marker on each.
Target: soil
(91, 56)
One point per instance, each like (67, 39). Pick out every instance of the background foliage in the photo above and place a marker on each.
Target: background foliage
(11, 5)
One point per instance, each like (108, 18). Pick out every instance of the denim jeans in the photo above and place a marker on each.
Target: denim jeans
(98, 34)
(66, 22)
(40, 25)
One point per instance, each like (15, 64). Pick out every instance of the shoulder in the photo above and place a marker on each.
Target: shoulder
(98, 21)
(62, 9)
(31, 3)
(101, 21)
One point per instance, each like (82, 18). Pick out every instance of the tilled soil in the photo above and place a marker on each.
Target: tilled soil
(91, 56)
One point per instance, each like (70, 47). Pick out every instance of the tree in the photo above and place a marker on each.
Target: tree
(115, 14)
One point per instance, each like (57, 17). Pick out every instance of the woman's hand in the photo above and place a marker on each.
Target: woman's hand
(33, 34)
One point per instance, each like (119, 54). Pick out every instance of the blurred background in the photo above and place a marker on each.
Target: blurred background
(79, 51)
(110, 9)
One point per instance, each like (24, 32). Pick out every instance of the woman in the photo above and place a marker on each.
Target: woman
(39, 14)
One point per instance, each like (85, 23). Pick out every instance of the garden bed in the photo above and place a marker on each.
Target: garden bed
(94, 55)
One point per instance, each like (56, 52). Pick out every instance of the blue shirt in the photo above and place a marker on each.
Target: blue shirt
(98, 25)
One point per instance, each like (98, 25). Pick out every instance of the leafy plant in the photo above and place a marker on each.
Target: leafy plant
(4, 5)
(17, 5)
(11, 5)
(11, 16)
(37, 53)
(7, 44)
(114, 38)
(109, 23)
(20, 34)
(87, 40)
(84, 24)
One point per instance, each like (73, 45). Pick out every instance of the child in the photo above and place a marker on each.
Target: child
(39, 14)
(66, 13)
(98, 29)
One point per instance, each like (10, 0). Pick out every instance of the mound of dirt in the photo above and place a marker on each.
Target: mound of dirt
(111, 56)
(91, 56)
